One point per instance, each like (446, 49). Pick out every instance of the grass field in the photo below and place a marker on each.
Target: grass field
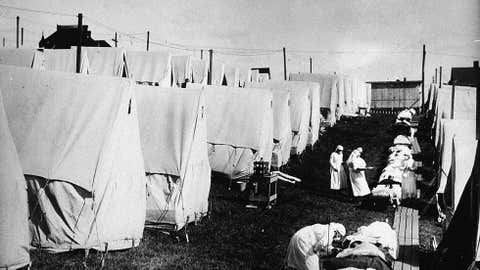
(234, 237)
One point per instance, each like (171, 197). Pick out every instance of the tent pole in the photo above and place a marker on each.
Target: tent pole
(115, 40)
(440, 77)
(311, 65)
(452, 106)
(476, 69)
(210, 62)
(423, 77)
(79, 41)
(284, 64)
(18, 26)
(148, 39)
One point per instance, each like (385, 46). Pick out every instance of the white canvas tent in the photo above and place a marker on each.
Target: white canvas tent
(14, 234)
(450, 129)
(239, 128)
(181, 69)
(338, 91)
(79, 146)
(300, 108)
(464, 106)
(245, 76)
(460, 245)
(232, 76)
(105, 61)
(150, 67)
(218, 73)
(17, 57)
(60, 60)
(461, 130)
(314, 92)
(282, 126)
(462, 163)
(199, 71)
(328, 89)
(173, 131)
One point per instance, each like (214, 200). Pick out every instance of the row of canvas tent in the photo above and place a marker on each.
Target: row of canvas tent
(454, 137)
(98, 160)
(91, 147)
(156, 67)
(342, 95)
(80, 148)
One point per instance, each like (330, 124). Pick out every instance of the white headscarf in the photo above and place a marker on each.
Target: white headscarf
(336, 227)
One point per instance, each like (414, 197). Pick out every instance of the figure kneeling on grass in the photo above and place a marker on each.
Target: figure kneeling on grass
(310, 242)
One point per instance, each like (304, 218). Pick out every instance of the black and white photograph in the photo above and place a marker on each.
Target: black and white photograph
(240, 134)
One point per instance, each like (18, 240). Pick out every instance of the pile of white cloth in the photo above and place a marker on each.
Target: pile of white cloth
(377, 233)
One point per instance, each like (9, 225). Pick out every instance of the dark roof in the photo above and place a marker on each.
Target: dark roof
(395, 84)
(464, 76)
(66, 36)
(263, 70)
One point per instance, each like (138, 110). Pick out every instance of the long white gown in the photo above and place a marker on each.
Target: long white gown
(338, 177)
(300, 252)
(357, 177)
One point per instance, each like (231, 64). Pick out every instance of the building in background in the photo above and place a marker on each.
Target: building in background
(66, 36)
(396, 94)
(464, 76)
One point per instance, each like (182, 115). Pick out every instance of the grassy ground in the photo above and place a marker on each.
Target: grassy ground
(238, 238)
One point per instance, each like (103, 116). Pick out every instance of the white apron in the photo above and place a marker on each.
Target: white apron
(357, 177)
(300, 253)
(338, 178)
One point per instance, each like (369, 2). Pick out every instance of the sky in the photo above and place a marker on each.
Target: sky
(369, 39)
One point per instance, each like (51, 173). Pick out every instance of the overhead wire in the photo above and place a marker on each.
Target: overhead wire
(38, 11)
(219, 49)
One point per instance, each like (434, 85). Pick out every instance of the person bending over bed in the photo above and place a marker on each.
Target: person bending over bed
(310, 242)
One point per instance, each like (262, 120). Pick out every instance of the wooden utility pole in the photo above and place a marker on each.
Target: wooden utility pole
(18, 26)
(201, 54)
(3, 42)
(21, 37)
(79, 42)
(284, 64)
(210, 69)
(311, 69)
(423, 77)
(452, 106)
(440, 77)
(115, 39)
(148, 39)
(476, 69)
(436, 75)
